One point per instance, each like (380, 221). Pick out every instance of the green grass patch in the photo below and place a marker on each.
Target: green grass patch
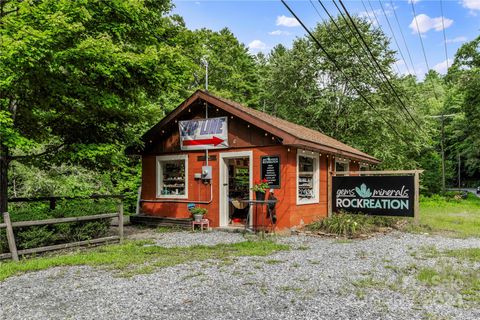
(136, 257)
(449, 216)
(470, 254)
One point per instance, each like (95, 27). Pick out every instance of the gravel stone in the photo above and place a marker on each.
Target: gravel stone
(313, 280)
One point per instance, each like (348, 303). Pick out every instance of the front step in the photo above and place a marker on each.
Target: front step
(156, 221)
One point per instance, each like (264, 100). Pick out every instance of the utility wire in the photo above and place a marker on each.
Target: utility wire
(394, 37)
(355, 35)
(329, 57)
(423, 48)
(368, 67)
(444, 36)
(378, 24)
(403, 37)
(377, 64)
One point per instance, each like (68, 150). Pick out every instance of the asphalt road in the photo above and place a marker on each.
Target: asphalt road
(472, 190)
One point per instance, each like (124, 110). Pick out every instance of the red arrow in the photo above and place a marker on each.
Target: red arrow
(215, 141)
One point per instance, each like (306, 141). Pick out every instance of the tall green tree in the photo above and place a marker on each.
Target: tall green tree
(84, 72)
(303, 85)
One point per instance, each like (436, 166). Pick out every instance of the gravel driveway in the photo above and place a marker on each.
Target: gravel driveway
(317, 279)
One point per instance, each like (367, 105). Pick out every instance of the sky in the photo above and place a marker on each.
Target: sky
(261, 25)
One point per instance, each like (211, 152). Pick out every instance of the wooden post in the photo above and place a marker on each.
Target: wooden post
(416, 207)
(10, 236)
(120, 220)
(329, 195)
(139, 197)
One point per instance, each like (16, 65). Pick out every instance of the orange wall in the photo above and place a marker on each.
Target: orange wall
(289, 214)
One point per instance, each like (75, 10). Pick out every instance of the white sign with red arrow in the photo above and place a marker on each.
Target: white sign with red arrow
(201, 134)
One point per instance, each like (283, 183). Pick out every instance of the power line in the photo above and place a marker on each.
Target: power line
(423, 47)
(394, 37)
(329, 57)
(362, 46)
(377, 64)
(403, 37)
(368, 68)
(444, 36)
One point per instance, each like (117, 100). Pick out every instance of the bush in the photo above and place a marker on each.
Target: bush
(351, 225)
(39, 236)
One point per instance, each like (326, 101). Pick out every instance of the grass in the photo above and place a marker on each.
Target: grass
(457, 218)
(137, 257)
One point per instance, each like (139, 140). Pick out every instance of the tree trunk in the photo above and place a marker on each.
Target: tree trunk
(4, 159)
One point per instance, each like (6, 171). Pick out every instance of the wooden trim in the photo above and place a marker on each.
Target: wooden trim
(3, 225)
(329, 187)
(62, 220)
(67, 245)
(381, 172)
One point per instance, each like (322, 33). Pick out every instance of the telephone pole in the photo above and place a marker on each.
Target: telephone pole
(442, 142)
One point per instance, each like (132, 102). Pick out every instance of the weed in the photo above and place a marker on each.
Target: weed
(273, 261)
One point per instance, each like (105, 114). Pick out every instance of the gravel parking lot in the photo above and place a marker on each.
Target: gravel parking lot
(317, 279)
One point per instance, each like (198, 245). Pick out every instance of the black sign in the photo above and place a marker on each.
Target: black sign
(376, 195)
(271, 170)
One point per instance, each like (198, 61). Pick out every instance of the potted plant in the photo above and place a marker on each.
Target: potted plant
(198, 213)
(260, 188)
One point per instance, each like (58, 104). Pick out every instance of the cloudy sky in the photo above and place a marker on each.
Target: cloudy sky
(260, 25)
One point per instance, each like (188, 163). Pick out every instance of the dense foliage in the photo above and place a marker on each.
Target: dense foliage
(81, 80)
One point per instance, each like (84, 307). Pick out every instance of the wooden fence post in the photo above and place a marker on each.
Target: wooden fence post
(10, 236)
(416, 207)
(120, 220)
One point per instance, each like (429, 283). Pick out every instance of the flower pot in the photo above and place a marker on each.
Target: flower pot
(198, 217)
(259, 195)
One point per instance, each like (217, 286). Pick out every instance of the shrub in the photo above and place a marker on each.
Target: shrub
(38, 236)
(351, 225)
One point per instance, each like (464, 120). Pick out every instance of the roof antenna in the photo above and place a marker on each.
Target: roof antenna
(204, 62)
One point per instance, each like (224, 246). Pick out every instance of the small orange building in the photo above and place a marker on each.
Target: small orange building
(177, 171)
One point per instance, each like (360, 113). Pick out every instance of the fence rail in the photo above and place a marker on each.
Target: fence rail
(8, 225)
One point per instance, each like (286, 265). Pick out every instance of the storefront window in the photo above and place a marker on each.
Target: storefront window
(172, 180)
(308, 176)
(340, 166)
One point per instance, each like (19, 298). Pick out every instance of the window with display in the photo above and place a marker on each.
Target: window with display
(307, 177)
(172, 180)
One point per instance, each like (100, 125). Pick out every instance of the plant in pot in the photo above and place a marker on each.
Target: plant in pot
(260, 188)
(198, 213)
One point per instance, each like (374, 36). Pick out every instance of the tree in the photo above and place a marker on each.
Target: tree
(303, 85)
(82, 72)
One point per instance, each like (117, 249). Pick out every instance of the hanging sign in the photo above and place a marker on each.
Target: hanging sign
(270, 170)
(376, 195)
(201, 134)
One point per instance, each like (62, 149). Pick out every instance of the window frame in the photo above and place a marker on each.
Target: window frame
(316, 177)
(159, 174)
(346, 162)
(366, 166)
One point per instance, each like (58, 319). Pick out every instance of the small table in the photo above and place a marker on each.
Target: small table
(201, 223)
(257, 225)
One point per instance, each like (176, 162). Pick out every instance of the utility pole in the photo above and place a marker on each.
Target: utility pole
(442, 142)
(459, 167)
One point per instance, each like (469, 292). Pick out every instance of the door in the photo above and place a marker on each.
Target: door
(224, 185)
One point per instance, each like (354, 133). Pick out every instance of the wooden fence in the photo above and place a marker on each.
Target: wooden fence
(9, 226)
